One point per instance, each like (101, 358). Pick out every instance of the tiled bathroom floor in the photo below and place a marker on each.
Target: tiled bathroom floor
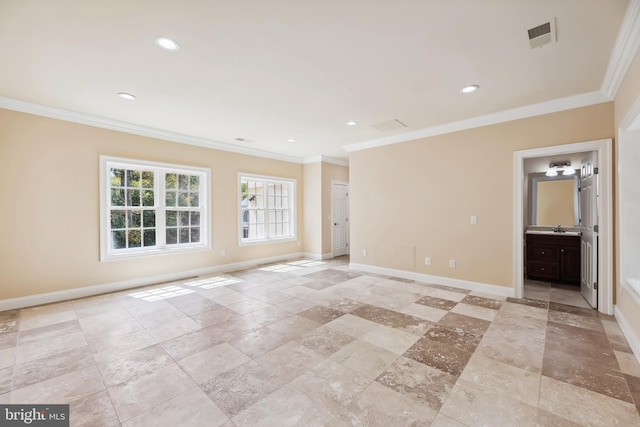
(309, 343)
(552, 292)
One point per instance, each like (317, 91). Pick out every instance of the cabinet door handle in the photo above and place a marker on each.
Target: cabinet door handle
(542, 252)
(561, 250)
(541, 268)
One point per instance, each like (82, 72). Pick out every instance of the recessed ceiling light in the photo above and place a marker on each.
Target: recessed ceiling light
(351, 123)
(127, 96)
(167, 43)
(470, 89)
(291, 140)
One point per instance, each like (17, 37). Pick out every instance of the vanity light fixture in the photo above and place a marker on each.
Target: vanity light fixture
(564, 166)
(470, 89)
(127, 96)
(167, 44)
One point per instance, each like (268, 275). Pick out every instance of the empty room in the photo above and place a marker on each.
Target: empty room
(320, 213)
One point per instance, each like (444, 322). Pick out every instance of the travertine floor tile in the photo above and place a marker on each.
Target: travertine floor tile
(239, 388)
(147, 391)
(422, 383)
(134, 364)
(283, 408)
(628, 363)
(352, 325)
(258, 342)
(391, 339)
(35, 371)
(62, 389)
(441, 420)
(472, 404)
(424, 312)
(325, 341)
(332, 385)
(584, 406)
(208, 364)
(512, 381)
(379, 406)
(93, 410)
(190, 409)
(309, 342)
(365, 358)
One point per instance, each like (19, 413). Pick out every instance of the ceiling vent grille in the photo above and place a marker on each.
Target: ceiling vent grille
(542, 34)
(389, 125)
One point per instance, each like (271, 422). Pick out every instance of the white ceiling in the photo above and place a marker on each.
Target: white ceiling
(273, 70)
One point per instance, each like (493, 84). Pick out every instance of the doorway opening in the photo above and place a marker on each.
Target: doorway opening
(593, 257)
(339, 218)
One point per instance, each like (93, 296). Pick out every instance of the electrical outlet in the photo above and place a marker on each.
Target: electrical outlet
(427, 261)
(364, 252)
(223, 253)
(452, 263)
(474, 219)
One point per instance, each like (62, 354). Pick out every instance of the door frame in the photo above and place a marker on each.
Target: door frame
(628, 133)
(333, 182)
(605, 163)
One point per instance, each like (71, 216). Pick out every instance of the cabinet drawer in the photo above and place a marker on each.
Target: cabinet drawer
(542, 253)
(543, 270)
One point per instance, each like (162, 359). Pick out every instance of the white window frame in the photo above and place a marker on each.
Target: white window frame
(107, 253)
(292, 183)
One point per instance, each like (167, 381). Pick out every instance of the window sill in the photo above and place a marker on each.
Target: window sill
(153, 252)
(266, 241)
(632, 286)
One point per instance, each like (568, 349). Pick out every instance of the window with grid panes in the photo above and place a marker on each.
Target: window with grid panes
(266, 208)
(152, 208)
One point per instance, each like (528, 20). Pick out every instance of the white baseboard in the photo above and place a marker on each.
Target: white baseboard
(438, 280)
(632, 338)
(69, 294)
(315, 256)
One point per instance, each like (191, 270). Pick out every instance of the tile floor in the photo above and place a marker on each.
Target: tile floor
(553, 292)
(310, 343)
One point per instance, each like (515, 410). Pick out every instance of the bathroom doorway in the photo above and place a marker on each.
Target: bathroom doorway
(546, 283)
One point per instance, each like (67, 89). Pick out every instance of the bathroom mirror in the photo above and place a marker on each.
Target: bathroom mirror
(554, 200)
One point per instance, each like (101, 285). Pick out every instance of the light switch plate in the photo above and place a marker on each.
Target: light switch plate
(474, 219)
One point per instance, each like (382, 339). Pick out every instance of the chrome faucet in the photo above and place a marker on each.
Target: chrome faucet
(559, 229)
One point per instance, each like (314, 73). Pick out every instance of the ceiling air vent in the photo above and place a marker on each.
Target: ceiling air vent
(389, 125)
(543, 34)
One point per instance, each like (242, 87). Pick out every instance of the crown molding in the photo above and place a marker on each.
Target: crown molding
(624, 50)
(568, 103)
(120, 126)
(325, 159)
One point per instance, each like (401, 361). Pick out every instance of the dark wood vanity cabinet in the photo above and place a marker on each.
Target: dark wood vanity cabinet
(553, 258)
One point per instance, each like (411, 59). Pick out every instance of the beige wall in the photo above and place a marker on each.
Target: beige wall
(50, 210)
(420, 204)
(313, 208)
(317, 205)
(330, 173)
(627, 96)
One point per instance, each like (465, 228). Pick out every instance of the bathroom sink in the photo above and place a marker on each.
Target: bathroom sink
(554, 233)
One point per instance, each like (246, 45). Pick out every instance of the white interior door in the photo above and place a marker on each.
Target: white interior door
(589, 229)
(340, 219)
